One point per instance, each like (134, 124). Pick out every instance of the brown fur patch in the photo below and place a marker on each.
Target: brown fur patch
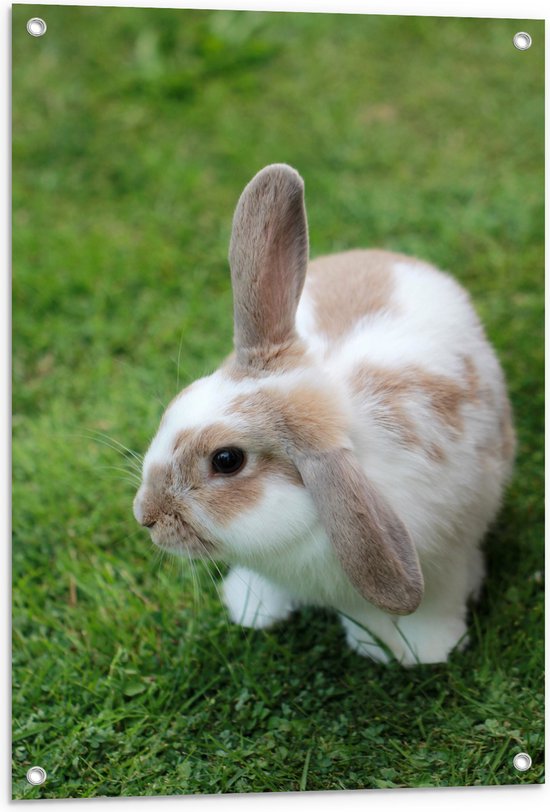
(193, 448)
(471, 379)
(195, 443)
(303, 418)
(391, 388)
(268, 360)
(226, 499)
(435, 452)
(311, 417)
(508, 444)
(445, 396)
(156, 500)
(499, 445)
(348, 286)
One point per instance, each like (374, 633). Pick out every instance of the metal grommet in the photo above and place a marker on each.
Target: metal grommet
(522, 762)
(522, 40)
(36, 27)
(36, 775)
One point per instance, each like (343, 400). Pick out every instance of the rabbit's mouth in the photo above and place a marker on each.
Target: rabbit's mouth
(174, 536)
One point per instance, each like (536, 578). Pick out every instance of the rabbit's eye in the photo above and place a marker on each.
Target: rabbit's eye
(228, 460)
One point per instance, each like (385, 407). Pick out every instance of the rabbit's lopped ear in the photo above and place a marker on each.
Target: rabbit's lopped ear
(268, 256)
(372, 544)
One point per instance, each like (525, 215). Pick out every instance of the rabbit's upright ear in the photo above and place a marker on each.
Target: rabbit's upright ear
(268, 256)
(371, 542)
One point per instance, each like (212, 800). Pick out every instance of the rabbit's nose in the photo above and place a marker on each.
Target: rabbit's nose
(142, 512)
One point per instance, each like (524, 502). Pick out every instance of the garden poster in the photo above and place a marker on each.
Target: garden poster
(277, 402)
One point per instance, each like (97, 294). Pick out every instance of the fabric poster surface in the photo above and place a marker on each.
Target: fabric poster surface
(277, 402)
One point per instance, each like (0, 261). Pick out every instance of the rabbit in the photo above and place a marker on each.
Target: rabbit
(350, 452)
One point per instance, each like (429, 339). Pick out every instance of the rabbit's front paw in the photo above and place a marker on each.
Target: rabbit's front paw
(359, 639)
(252, 601)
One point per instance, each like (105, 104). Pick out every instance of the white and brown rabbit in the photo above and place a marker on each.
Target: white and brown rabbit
(350, 453)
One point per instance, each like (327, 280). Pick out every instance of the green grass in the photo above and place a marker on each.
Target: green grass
(134, 133)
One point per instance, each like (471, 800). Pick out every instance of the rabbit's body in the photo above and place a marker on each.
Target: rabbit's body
(378, 441)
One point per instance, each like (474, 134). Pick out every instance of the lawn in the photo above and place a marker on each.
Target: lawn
(134, 133)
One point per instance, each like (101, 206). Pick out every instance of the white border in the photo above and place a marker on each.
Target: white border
(507, 799)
